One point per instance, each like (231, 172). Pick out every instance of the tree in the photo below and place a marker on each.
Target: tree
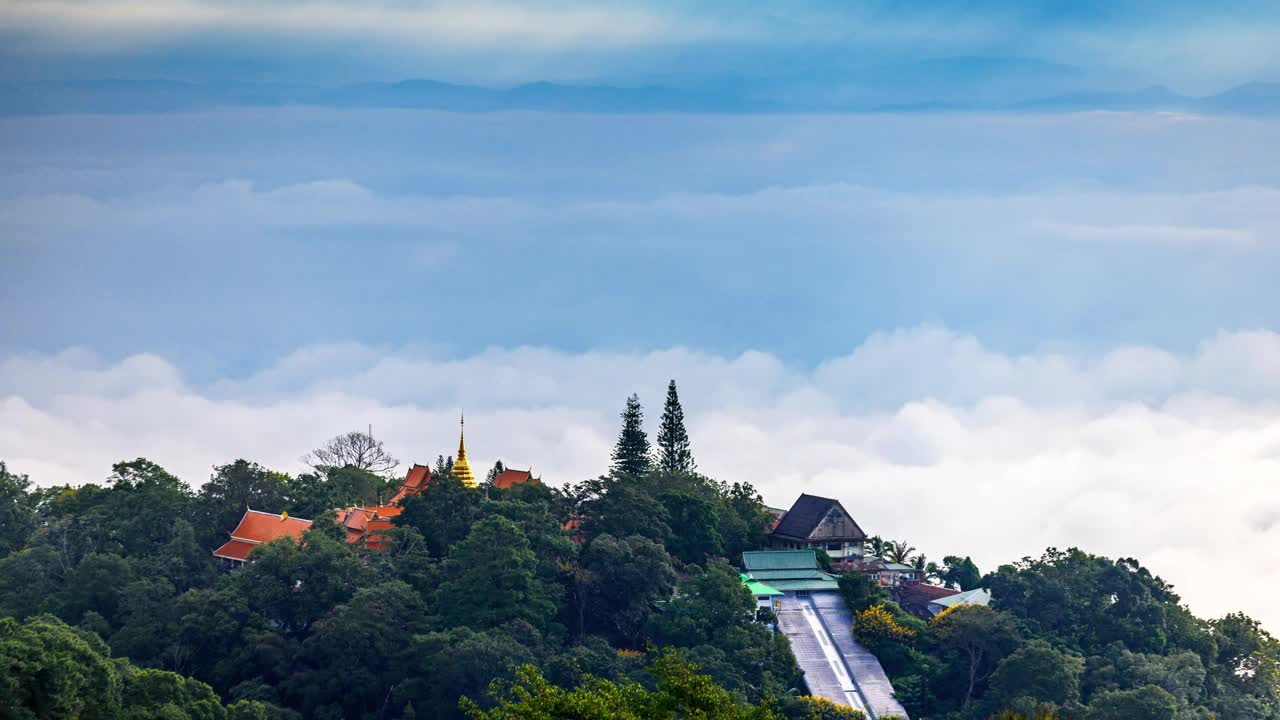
(632, 455)
(960, 573)
(162, 695)
(355, 655)
(295, 584)
(355, 449)
(490, 579)
(445, 666)
(680, 692)
(694, 521)
(334, 487)
(617, 580)
(705, 608)
(17, 510)
(980, 635)
(877, 546)
(860, 591)
(497, 469)
(674, 454)
(928, 570)
(234, 488)
(1039, 671)
(622, 508)
(900, 552)
(443, 512)
(876, 627)
(49, 670)
(1145, 703)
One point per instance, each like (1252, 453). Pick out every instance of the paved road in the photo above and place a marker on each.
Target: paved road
(825, 672)
(819, 675)
(865, 668)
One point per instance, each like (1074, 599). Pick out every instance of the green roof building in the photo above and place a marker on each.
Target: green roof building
(788, 571)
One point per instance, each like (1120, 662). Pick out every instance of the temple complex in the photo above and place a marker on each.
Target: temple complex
(363, 524)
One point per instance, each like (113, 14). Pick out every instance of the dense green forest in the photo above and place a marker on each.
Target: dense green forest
(483, 606)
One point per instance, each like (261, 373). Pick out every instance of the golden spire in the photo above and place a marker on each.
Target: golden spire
(461, 468)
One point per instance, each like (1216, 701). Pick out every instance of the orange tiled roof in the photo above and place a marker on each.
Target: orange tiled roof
(513, 477)
(235, 550)
(416, 479)
(260, 527)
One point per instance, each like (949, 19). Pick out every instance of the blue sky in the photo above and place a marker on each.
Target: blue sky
(1069, 303)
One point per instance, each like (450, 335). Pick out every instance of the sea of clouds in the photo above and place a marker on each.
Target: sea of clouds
(924, 434)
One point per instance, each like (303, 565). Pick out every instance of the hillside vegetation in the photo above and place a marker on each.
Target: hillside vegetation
(483, 606)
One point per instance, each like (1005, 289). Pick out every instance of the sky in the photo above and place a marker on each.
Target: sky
(987, 332)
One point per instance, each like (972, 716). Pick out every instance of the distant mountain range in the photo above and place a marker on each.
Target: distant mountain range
(128, 96)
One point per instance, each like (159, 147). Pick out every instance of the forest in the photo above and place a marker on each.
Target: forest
(614, 597)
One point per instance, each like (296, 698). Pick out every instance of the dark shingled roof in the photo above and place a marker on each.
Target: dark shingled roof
(804, 516)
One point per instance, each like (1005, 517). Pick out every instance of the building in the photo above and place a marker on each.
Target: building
(462, 468)
(363, 524)
(256, 528)
(887, 573)
(916, 598)
(767, 598)
(818, 523)
(977, 596)
(507, 478)
(790, 572)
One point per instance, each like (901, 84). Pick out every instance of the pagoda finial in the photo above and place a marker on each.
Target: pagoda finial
(462, 468)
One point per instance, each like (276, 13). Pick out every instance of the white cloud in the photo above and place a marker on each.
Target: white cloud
(927, 435)
(108, 24)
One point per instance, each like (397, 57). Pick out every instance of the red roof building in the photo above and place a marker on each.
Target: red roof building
(507, 478)
(362, 524)
(258, 527)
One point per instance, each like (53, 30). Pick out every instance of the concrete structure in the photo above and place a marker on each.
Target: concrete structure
(812, 615)
(819, 523)
(836, 667)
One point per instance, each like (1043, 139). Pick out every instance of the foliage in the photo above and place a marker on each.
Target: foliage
(632, 454)
(472, 585)
(982, 636)
(443, 512)
(674, 455)
(18, 510)
(489, 579)
(679, 692)
(861, 592)
(357, 450)
(876, 627)
(1038, 670)
(1145, 703)
(51, 670)
(816, 708)
(616, 582)
(962, 573)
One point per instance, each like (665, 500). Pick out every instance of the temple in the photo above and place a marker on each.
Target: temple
(462, 468)
(365, 525)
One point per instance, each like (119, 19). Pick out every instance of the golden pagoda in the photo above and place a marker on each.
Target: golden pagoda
(462, 468)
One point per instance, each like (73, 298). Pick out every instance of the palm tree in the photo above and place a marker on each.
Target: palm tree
(928, 570)
(900, 551)
(877, 545)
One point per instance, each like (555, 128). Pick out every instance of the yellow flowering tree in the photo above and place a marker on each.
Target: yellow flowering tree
(876, 626)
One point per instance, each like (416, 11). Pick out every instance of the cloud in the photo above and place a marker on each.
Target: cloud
(233, 238)
(925, 434)
(119, 24)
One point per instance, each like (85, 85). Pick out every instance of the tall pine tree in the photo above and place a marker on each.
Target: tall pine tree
(673, 441)
(631, 455)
